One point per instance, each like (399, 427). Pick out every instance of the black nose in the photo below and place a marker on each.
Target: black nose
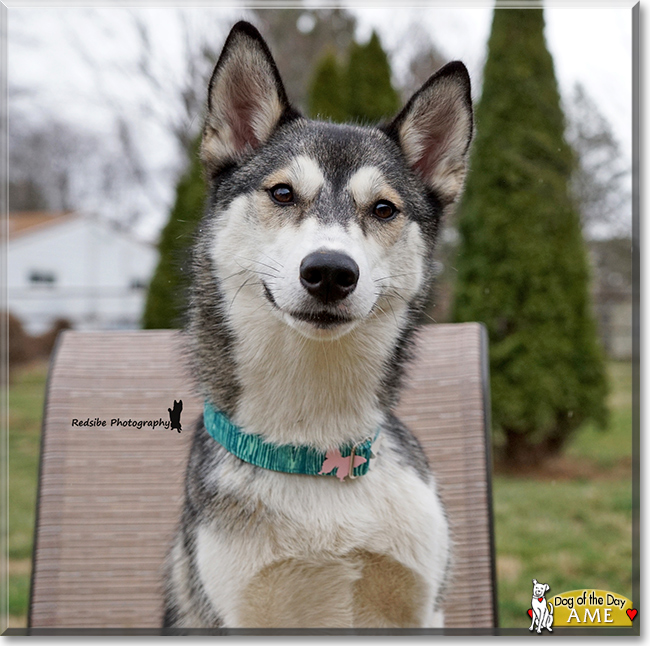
(329, 276)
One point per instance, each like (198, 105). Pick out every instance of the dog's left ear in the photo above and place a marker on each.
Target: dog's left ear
(434, 130)
(246, 99)
(547, 587)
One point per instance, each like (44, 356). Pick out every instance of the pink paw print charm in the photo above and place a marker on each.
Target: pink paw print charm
(334, 459)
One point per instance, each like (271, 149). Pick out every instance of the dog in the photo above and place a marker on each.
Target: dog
(542, 611)
(307, 502)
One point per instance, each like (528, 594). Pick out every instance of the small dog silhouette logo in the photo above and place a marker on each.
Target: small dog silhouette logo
(175, 415)
(542, 611)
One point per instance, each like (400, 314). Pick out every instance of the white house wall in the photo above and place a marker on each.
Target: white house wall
(94, 267)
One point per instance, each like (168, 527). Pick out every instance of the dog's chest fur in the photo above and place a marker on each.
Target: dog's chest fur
(286, 533)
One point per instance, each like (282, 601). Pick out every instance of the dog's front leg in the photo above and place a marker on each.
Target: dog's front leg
(549, 621)
(532, 623)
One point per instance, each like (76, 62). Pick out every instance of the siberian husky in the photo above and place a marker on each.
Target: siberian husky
(308, 503)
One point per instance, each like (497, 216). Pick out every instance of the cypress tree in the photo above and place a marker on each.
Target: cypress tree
(326, 96)
(169, 286)
(370, 94)
(522, 265)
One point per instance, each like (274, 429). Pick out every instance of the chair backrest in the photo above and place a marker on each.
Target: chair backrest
(109, 496)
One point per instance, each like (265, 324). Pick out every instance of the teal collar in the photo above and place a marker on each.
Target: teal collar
(350, 460)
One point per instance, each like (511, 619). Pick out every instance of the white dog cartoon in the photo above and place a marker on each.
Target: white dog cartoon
(542, 610)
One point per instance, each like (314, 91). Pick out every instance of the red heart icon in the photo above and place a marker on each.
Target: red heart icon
(530, 612)
(632, 613)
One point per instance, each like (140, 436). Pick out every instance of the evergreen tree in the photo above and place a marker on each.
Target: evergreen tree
(370, 94)
(522, 265)
(168, 289)
(326, 96)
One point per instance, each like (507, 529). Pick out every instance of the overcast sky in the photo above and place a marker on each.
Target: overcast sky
(590, 45)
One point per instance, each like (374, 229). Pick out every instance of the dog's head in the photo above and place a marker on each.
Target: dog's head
(325, 225)
(539, 589)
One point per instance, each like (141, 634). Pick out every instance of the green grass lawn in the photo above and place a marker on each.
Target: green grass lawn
(571, 528)
(26, 394)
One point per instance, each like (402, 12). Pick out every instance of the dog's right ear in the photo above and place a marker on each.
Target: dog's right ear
(246, 99)
(534, 581)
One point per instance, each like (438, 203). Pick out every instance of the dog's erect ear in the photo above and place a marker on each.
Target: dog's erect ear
(246, 99)
(534, 581)
(434, 130)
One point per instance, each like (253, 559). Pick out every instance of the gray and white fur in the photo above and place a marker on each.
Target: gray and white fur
(310, 268)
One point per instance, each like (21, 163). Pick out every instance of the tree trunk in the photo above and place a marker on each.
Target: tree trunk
(520, 453)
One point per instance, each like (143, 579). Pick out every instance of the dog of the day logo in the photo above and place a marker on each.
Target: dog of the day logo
(542, 611)
(581, 608)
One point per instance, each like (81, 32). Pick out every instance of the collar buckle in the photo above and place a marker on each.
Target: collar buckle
(353, 453)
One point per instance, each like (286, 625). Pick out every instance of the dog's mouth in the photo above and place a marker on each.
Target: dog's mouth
(269, 295)
(321, 319)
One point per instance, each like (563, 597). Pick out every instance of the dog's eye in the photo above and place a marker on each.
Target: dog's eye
(385, 210)
(282, 194)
